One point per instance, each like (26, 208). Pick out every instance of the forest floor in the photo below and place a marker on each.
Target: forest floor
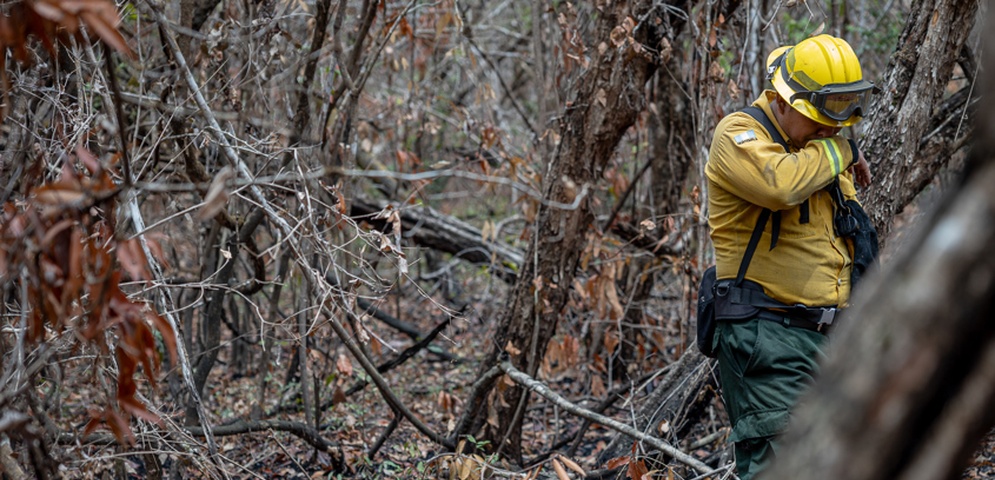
(358, 423)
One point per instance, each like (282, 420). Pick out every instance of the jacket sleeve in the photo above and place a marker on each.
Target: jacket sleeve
(745, 161)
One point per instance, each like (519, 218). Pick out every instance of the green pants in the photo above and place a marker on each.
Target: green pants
(763, 366)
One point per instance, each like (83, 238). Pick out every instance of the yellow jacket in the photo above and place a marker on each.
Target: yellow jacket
(748, 171)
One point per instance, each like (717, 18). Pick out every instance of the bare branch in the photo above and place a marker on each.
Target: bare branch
(542, 389)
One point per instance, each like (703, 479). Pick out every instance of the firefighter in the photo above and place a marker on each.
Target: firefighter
(768, 355)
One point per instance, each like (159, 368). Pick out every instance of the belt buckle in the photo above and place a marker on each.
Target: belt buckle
(826, 320)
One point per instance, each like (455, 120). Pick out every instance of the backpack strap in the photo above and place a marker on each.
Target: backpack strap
(751, 247)
(755, 298)
(758, 114)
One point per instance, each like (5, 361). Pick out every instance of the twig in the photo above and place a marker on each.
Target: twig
(379, 381)
(433, 174)
(710, 438)
(404, 327)
(709, 473)
(608, 401)
(507, 90)
(405, 355)
(300, 430)
(394, 422)
(302, 325)
(302, 117)
(292, 457)
(119, 111)
(540, 388)
(625, 196)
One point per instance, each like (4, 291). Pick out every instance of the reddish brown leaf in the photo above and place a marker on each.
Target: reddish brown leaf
(43, 28)
(75, 281)
(573, 466)
(119, 427)
(89, 160)
(49, 11)
(637, 469)
(404, 28)
(216, 198)
(617, 462)
(95, 421)
(598, 389)
(155, 248)
(58, 196)
(338, 396)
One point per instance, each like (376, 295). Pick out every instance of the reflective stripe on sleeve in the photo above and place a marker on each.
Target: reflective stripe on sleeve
(834, 154)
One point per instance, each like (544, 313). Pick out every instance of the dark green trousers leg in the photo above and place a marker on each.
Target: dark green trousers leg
(763, 367)
(752, 456)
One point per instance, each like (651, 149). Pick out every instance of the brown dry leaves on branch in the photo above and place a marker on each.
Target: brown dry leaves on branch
(61, 245)
(61, 242)
(52, 21)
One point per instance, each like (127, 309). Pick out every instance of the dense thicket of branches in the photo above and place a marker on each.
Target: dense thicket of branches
(359, 228)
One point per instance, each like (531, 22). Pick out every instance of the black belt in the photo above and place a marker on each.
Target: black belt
(806, 321)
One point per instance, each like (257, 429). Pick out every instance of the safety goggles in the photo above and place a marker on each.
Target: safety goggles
(839, 101)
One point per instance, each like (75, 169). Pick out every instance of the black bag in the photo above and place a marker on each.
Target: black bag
(706, 312)
(715, 304)
(865, 242)
(851, 221)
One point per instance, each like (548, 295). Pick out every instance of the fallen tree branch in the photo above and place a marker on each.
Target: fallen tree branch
(609, 400)
(378, 380)
(679, 399)
(429, 228)
(382, 368)
(541, 388)
(394, 422)
(300, 430)
(8, 465)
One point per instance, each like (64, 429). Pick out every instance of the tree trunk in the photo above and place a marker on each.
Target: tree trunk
(609, 95)
(909, 384)
(902, 144)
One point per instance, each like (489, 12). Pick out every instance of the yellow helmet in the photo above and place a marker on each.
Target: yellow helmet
(821, 78)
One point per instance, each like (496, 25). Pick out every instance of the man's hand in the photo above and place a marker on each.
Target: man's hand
(861, 171)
